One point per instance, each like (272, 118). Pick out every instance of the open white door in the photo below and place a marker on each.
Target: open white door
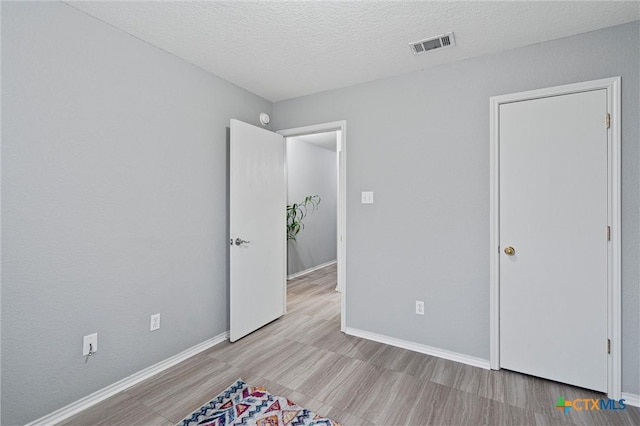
(257, 209)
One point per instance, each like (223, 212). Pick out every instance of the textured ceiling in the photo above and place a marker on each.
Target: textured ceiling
(281, 50)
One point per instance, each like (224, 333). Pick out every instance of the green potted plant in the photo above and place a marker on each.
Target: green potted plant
(298, 211)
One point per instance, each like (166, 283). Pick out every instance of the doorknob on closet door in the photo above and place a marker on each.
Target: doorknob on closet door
(240, 241)
(509, 251)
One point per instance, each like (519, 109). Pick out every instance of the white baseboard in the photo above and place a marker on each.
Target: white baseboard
(417, 347)
(104, 393)
(631, 399)
(307, 271)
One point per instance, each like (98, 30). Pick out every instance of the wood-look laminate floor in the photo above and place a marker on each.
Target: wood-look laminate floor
(306, 358)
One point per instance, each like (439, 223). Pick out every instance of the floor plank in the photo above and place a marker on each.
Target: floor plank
(306, 358)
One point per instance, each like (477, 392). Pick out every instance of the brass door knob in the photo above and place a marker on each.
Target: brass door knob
(509, 251)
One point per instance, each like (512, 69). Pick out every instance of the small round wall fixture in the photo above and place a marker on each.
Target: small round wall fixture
(264, 119)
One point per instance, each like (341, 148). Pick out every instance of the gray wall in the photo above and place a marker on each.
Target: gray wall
(114, 181)
(421, 142)
(312, 171)
(113, 186)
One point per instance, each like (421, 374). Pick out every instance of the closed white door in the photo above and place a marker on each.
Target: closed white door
(257, 192)
(553, 238)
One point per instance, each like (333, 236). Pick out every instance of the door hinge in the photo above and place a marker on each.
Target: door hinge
(608, 346)
(608, 233)
(608, 121)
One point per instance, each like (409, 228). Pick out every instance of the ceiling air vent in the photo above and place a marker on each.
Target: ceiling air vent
(422, 46)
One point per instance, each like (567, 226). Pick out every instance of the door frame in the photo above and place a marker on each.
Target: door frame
(342, 202)
(614, 319)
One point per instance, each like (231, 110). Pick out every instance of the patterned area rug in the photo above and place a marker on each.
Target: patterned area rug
(241, 404)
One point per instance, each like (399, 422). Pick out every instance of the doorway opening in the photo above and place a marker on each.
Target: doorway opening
(316, 166)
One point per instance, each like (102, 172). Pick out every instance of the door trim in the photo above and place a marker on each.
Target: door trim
(614, 287)
(342, 203)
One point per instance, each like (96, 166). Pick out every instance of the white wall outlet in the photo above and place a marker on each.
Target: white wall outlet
(90, 344)
(367, 197)
(419, 307)
(155, 322)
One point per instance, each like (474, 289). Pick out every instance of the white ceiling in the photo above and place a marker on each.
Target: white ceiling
(327, 140)
(281, 50)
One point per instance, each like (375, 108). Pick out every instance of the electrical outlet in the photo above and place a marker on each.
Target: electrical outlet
(155, 322)
(419, 307)
(367, 197)
(90, 344)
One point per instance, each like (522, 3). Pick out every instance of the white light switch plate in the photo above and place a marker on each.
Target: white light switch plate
(367, 197)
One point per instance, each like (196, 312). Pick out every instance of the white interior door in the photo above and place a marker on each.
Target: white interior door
(553, 213)
(257, 192)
